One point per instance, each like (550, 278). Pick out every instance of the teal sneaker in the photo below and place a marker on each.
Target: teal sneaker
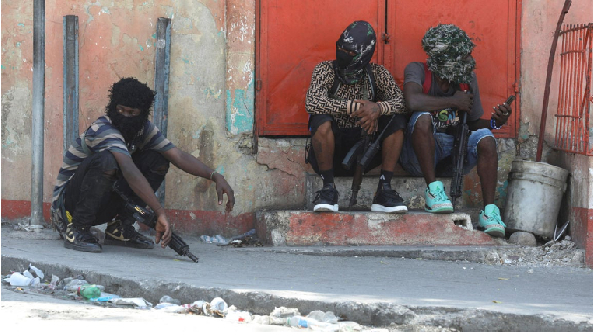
(490, 221)
(436, 200)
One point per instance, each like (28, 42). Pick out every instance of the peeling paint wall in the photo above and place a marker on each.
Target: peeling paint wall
(539, 18)
(211, 95)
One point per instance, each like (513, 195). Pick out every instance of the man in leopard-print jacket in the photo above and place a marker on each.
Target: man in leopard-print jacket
(349, 96)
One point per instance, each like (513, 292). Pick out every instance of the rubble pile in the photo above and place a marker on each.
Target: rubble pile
(553, 253)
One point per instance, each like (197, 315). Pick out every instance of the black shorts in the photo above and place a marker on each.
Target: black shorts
(345, 138)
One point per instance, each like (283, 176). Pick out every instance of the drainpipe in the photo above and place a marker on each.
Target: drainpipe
(37, 127)
(70, 80)
(161, 83)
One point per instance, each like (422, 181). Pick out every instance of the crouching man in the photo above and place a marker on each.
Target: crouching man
(123, 149)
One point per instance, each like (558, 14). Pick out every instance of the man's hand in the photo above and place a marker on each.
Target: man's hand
(463, 101)
(501, 114)
(163, 230)
(369, 114)
(223, 187)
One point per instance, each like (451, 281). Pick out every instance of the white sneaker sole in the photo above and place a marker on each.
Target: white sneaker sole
(326, 208)
(396, 209)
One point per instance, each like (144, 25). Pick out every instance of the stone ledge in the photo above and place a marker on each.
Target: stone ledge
(307, 228)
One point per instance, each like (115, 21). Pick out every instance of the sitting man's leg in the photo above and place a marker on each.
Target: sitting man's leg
(321, 159)
(421, 152)
(87, 196)
(386, 198)
(120, 231)
(482, 150)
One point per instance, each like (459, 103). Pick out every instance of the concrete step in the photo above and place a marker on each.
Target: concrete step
(411, 189)
(307, 228)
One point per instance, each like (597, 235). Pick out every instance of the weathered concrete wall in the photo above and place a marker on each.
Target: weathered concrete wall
(211, 103)
(538, 24)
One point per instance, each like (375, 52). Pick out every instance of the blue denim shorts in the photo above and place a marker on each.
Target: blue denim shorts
(443, 147)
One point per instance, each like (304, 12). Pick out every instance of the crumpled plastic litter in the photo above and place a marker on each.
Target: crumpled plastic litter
(170, 308)
(168, 299)
(218, 307)
(261, 319)
(280, 315)
(105, 297)
(37, 271)
(18, 279)
(238, 316)
(74, 283)
(328, 317)
(218, 239)
(137, 302)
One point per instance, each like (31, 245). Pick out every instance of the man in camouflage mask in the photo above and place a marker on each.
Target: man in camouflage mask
(435, 92)
(449, 49)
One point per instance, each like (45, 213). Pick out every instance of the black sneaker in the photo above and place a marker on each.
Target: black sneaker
(326, 199)
(81, 239)
(387, 200)
(118, 233)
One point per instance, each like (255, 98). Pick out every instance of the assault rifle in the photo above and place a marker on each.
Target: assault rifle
(459, 151)
(355, 155)
(147, 217)
(362, 153)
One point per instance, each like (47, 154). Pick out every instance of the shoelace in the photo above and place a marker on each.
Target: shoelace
(495, 216)
(438, 194)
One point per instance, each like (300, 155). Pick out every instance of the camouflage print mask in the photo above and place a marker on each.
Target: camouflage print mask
(449, 48)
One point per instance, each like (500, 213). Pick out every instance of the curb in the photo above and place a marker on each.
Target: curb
(379, 315)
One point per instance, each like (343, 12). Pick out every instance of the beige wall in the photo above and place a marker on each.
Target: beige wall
(539, 18)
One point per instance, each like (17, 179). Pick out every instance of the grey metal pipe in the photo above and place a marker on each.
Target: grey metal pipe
(70, 80)
(161, 83)
(37, 127)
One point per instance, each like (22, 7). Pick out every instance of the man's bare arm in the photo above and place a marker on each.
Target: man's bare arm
(191, 165)
(140, 186)
(417, 101)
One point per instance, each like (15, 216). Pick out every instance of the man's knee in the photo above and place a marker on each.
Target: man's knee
(424, 124)
(323, 131)
(486, 145)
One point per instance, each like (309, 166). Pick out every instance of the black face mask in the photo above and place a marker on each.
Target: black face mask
(343, 59)
(128, 126)
(359, 37)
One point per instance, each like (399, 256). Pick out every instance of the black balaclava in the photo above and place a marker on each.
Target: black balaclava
(360, 38)
(132, 93)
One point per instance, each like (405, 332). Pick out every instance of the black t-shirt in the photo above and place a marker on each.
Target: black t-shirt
(415, 73)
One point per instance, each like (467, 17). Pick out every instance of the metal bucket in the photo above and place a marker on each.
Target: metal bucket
(535, 192)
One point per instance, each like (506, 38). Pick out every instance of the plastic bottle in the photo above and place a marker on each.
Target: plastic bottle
(297, 321)
(89, 291)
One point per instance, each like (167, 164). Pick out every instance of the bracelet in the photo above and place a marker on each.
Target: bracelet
(211, 175)
(493, 124)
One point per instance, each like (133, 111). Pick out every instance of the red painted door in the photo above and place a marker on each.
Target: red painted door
(294, 36)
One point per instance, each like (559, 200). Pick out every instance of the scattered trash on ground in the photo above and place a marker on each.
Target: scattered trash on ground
(249, 238)
(78, 289)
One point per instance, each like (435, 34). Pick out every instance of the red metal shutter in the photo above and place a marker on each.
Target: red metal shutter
(294, 36)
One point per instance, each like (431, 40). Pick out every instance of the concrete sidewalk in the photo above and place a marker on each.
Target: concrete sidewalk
(371, 289)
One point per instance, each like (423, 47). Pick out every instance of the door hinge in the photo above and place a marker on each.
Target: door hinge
(258, 84)
(386, 38)
(516, 87)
